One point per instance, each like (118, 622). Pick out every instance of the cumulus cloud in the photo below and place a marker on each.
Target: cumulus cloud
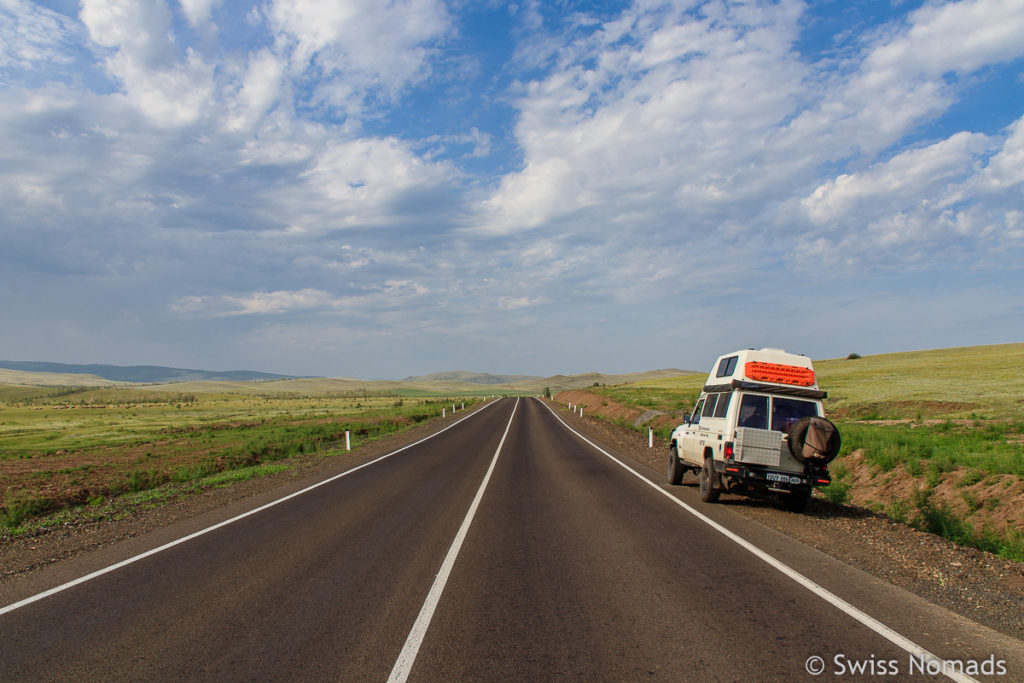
(145, 60)
(677, 113)
(929, 197)
(358, 47)
(928, 175)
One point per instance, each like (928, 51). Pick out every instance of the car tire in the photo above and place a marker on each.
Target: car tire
(798, 435)
(709, 485)
(676, 471)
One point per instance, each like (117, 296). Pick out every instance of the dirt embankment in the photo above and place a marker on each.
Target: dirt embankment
(595, 404)
(994, 501)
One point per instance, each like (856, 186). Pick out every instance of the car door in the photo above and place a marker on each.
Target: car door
(694, 436)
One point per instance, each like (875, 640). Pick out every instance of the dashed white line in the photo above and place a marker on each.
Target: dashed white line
(407, 657)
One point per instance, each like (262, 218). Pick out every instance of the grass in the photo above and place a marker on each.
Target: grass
(942, 521)
(242, 474)
(985, 448)
(64, 448)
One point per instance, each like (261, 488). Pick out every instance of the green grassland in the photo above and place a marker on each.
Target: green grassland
(77, 446)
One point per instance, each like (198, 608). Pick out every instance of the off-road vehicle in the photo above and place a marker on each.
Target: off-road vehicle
(758, 427)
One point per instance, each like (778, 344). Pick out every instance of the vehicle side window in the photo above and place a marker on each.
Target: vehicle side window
(753, 412)
(695, 416)
(723, 405)
(786, 411)
(727, 366)
(709, 406)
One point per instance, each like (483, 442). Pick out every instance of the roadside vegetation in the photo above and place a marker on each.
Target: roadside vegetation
(934, 438)
(93, 450)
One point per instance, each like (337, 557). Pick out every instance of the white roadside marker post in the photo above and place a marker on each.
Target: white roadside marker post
(444, 412)
(348, 441)
(650, 437)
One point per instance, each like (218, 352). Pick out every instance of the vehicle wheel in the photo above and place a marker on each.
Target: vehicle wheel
(709, 482)
(796, 501)
(676, 471)
(826, 435)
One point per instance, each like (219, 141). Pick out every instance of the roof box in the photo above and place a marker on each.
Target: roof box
(773, 367)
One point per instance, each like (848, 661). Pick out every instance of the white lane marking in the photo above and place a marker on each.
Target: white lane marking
(406, 658)
(869, 621)
(197, 534)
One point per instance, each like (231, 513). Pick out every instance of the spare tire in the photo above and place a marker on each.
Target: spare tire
(814, 440)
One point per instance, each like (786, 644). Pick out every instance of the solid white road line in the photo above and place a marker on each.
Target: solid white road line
(869, 621)
(406, 658)
(197, 534)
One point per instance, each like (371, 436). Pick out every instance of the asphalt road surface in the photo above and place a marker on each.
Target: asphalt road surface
(505, 547)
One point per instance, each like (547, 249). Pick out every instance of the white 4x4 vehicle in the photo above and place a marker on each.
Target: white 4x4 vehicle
(758, 428)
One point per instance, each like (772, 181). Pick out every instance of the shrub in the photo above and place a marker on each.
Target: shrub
(20, 506)
(837, 492)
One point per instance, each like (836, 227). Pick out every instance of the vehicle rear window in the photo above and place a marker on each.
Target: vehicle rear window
(709, 405)
(786, 411)
(727, 366)
(753, 412)
(723, 404)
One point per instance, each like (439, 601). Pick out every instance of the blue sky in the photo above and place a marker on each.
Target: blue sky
(378, 189)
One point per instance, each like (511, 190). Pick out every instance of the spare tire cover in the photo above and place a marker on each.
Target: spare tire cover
(814, 440)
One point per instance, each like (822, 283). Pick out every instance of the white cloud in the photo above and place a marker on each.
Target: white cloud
(359, 46)
(260, 89)
(1005, 170)
(32, 36)
(930, 174)
(170, 91)
(371, 299)
(679, 115)
(198, 12)
(956, 37)
(900, 80)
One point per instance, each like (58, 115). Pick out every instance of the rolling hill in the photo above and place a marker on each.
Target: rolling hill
(138, 374)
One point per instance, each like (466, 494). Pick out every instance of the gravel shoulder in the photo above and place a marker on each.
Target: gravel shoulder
(977, 585)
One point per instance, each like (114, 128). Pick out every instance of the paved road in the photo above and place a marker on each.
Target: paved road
(571, 567)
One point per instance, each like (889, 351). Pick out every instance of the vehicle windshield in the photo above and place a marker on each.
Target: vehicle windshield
(786, 411)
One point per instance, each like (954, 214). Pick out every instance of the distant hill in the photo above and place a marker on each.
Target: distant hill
(141, 374)
(247, 382)
(471, 378)
(588, 379)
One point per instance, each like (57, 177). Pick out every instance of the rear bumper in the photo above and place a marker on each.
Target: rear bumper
(773, 479)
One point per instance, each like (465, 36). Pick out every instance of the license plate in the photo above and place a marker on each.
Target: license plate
(782, 478)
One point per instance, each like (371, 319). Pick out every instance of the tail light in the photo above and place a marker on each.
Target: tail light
(729, 452)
